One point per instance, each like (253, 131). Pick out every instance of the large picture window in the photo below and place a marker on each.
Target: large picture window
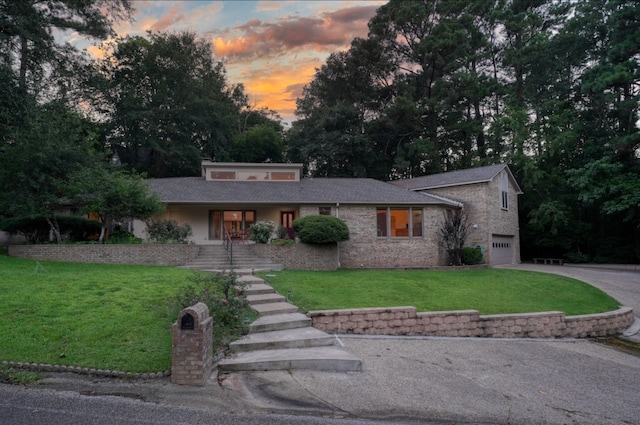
(399, 222)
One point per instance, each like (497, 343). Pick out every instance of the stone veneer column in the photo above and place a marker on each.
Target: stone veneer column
(192, 346)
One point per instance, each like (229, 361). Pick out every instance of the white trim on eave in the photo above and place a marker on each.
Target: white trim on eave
(442, 198)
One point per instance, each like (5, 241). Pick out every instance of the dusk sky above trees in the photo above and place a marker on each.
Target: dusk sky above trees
(272, 47)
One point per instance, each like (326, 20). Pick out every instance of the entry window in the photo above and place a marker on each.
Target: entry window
(324, 210)
(399, 222)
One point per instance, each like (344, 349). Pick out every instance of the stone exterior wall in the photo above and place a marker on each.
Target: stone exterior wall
(157, 254)
(405, 321)
(483, 205)
(365, 249)
(300, 256)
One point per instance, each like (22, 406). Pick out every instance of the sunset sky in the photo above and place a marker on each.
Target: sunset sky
(273, 47)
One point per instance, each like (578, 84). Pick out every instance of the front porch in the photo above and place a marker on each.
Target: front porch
(210, 223)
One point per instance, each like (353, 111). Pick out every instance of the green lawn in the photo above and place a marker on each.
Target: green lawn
(116, 317)
(490, 291)
(89, 315)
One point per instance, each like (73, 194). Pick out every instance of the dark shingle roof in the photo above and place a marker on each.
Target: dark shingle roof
(456, 178)
(306, 191)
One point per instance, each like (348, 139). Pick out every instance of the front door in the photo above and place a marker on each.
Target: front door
(232, 221)
(286, 221)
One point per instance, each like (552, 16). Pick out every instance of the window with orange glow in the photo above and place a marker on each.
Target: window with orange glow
(399, 222)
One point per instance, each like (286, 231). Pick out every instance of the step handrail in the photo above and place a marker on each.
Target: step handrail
(227, 243)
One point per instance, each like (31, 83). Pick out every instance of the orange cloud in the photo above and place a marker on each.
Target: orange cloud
(174, 15)
(330, 30)
(230, 47)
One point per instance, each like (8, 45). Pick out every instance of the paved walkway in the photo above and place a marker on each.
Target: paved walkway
(436, 380)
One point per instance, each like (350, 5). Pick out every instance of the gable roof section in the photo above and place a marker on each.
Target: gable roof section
(457, 178)
(306, 191)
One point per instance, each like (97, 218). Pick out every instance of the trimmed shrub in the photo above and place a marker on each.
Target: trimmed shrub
(36, 229)
(168, 231)
(321, 229)
(261, 231)
(123, 237)
(471, 256)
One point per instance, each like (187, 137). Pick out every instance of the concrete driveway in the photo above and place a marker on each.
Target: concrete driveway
(622, 284)
(472, 380)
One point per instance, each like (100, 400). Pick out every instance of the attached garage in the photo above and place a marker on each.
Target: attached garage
(503, 251)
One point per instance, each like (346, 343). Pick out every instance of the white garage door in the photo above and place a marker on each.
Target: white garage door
(503, 250)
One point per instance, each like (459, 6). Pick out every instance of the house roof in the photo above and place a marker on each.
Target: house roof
(457, 178)
(306, 191)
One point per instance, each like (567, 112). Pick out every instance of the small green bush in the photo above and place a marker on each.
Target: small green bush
(282, 232)
(321, 229)
(471, 256)
(261, 231)
(168, 231)
(124, 238)
(228, 306)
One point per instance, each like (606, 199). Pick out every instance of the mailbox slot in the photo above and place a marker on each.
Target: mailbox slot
(187, 322)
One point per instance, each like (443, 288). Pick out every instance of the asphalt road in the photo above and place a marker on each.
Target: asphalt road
(32, 406)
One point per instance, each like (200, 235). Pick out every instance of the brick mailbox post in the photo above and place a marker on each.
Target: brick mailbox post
(191, 346)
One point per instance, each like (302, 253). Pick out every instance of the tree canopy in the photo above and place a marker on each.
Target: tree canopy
(168, 103)
(551, 88)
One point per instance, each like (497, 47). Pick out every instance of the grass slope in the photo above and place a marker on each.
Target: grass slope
(116, 317)
(90, 315)
(490, 291)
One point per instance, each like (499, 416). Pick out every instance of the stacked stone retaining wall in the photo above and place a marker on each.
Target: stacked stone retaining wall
(406, 321)
(156, 254)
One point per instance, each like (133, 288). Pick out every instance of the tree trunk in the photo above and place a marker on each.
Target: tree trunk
(55, 228)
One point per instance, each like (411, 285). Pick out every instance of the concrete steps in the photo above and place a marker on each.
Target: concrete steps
(288, 338)
(214, 258)
(283, 339)
(282, 322)
(255, 299)
(275, 308)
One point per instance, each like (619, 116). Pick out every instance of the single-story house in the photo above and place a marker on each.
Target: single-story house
(391, 224)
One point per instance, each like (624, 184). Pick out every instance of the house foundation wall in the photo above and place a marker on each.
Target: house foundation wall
(156, 254)
(470, 323)
(301, 256)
